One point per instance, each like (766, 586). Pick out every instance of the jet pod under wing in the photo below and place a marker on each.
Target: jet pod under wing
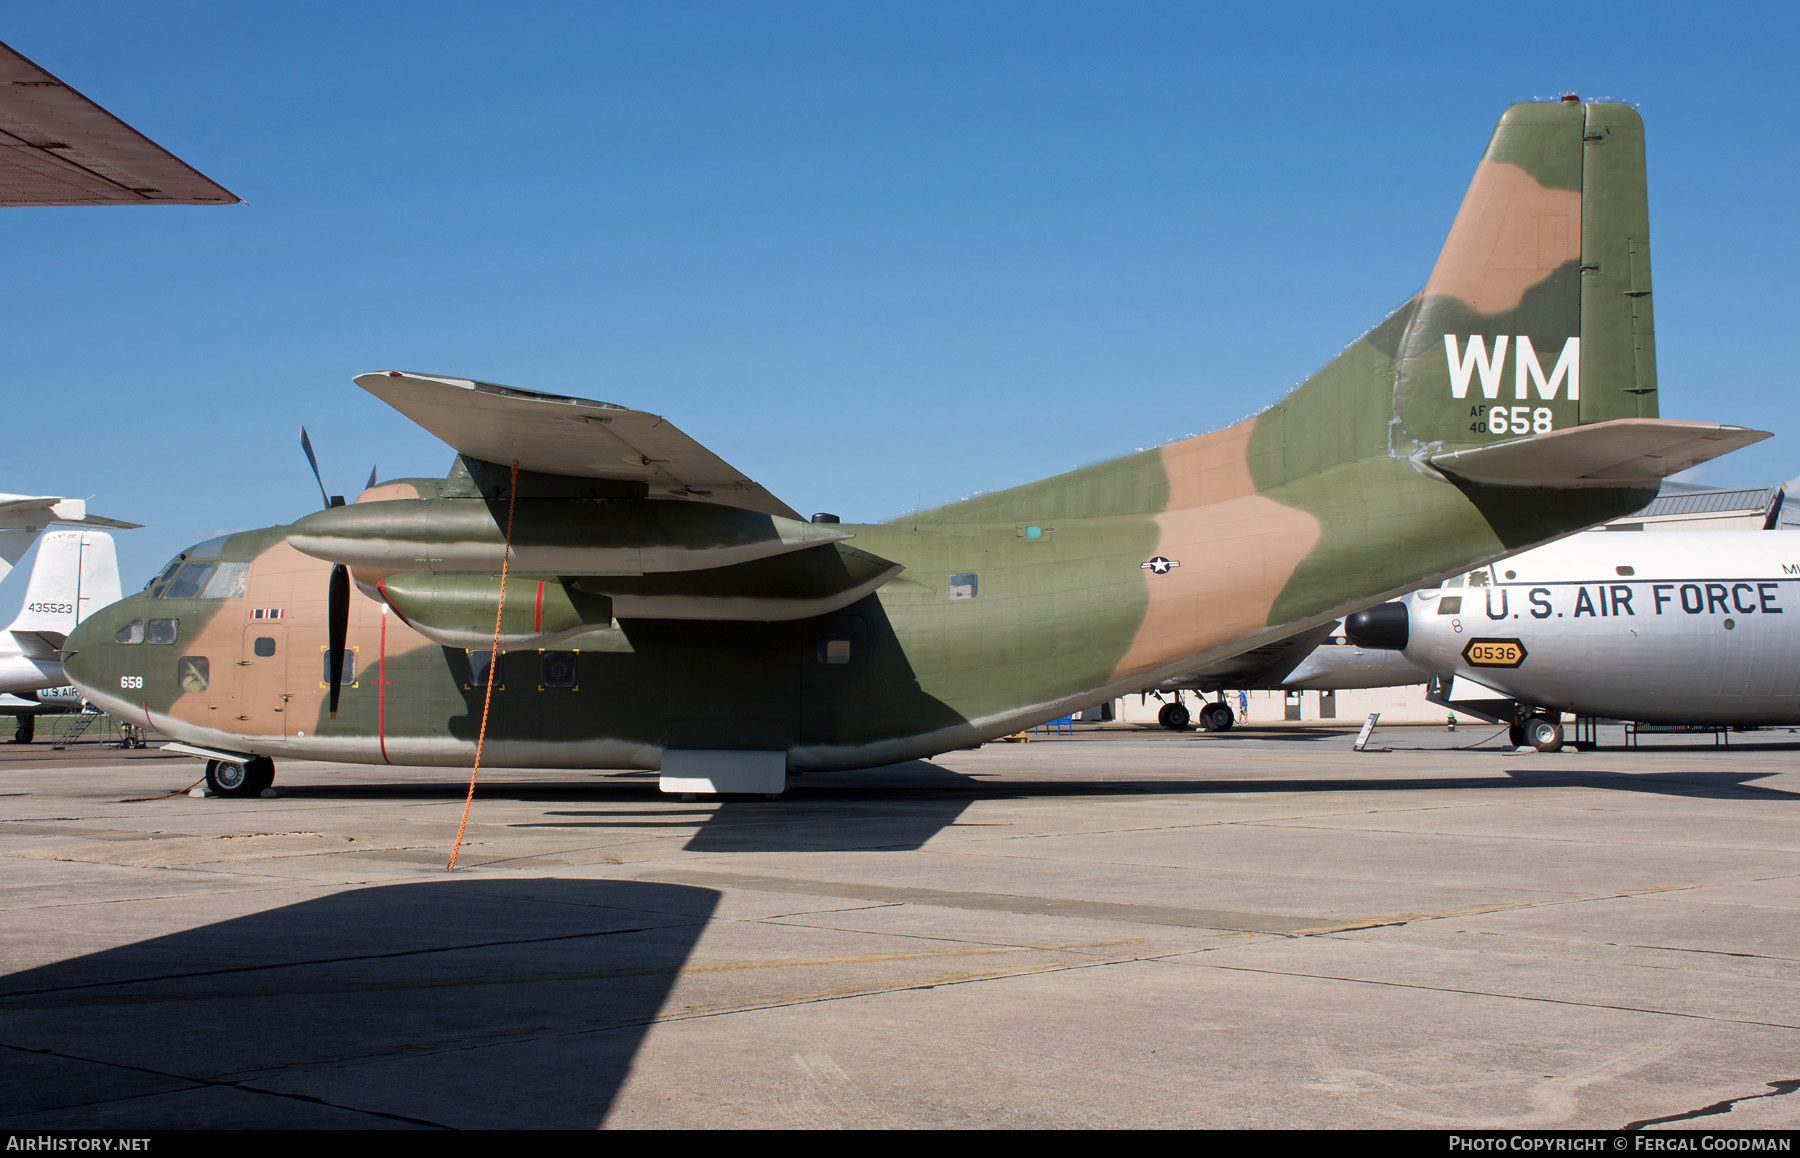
(554, 434)
(1617, 453)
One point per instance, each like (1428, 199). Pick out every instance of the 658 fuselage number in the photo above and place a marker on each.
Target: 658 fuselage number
(1511, 420)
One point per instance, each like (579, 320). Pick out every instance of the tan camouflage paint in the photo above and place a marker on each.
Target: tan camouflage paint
(284, 693)
(1214, 596)
(1509, 233)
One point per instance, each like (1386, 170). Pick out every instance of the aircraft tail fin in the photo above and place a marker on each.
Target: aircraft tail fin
(76, 572)
(1536, 320)
(1537, 315)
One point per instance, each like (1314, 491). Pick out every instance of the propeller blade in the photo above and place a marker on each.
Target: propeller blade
(337, 627)
(306, 445)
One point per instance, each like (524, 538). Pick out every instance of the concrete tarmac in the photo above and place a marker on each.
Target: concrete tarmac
(1116, 929)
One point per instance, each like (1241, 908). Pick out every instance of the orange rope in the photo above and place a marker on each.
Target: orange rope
(487, 696)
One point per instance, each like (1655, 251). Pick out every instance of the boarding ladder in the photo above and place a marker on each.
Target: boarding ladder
(87, 720)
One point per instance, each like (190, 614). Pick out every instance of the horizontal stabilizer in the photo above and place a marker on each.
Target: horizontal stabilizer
(36, 510)
(1621, 453)
(554, 434)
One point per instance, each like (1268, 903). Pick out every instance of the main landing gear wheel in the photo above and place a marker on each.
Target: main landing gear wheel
(230, 778)
(1515, 732)
(25, 729)
(1174, 717)
(1216, 717)
(1544, 732)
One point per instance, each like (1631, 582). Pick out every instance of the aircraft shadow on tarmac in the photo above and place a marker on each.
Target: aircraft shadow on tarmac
(469, 1003)
(902, 806)
(893, 809)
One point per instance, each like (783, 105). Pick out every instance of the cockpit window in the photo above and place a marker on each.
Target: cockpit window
(163, 630)
(188, 581)
(132, 632)
(207, 550)
(227, 581)
(158, 584)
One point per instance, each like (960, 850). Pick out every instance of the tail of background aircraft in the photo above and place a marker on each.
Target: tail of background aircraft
(76, 572)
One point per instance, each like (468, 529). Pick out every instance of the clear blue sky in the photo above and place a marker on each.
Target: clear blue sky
(874, 255)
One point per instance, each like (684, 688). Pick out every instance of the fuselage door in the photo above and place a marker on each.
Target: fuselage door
(261, 692)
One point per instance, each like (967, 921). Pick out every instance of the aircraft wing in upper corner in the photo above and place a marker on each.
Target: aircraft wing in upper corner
(57, 147)
(569, 436)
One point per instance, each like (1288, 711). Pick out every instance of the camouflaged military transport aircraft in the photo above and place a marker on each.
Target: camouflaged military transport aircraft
(664, 612)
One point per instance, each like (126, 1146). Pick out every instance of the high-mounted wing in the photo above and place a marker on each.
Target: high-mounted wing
(569, 436)
(57, 147)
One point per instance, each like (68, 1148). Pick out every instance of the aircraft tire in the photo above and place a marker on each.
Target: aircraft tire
(1216, 718)
(1544, 732)
(231, 778)
(1516, 733)
(1174, 717)
(261, 773)
(25, 729)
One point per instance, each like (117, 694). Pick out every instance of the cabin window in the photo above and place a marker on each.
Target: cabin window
(1512, 574)
(1478, 578)
(349, 680)
(480, 663)
(264, 646)
(834, 649)
(132, 632)
(188, 581)
(1626, 570)
(559, 669)
(227, 582)
(1450, 605)
(1454, 581)
(191, 672)
(164, 630)
(962, 585)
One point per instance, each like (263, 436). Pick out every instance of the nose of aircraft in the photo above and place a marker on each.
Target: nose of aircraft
(80, 651)
(1383, 627)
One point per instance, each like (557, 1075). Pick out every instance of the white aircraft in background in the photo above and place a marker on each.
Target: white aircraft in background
(76, 572)
(1678, 627)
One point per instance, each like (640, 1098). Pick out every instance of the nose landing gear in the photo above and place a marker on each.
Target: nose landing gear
(1540, 730)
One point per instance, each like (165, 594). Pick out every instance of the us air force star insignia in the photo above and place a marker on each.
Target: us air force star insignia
(1159, 565)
